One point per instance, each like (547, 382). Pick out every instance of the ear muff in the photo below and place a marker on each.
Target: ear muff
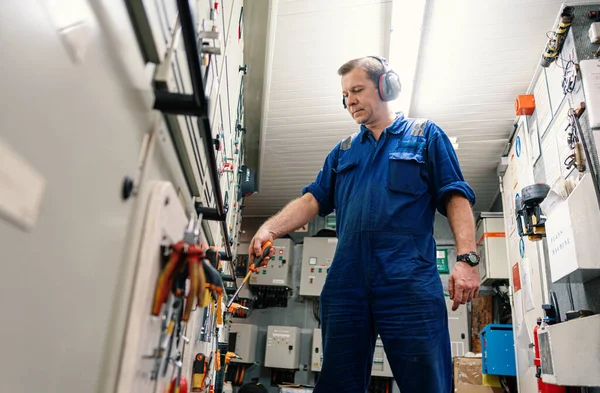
(389, 83)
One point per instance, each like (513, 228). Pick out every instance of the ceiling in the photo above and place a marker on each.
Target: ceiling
(474, 58)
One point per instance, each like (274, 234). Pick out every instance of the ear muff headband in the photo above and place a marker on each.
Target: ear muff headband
(389, 86)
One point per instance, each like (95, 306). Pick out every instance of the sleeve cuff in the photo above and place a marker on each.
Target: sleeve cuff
(325, 206)
(460, 187)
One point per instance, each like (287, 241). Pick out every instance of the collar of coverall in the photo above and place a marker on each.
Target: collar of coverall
(394, 128)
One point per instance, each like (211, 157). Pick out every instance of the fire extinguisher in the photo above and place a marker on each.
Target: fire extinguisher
(542, 386)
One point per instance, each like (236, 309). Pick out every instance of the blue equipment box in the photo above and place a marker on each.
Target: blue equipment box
(498, 350)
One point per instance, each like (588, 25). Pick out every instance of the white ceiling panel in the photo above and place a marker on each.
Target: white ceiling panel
(475, 57)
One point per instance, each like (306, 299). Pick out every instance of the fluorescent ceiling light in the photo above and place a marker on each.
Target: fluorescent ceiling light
(405, 40)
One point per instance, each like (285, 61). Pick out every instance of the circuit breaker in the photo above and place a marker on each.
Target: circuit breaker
(316, 356)
(381, 366)
(242, 341)
(283, 347)
(278, 272)
(316, 261)
(491, 246)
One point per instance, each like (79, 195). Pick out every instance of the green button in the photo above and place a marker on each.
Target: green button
(320, 270)
(281, 258)
(264, 271)
(272, 258)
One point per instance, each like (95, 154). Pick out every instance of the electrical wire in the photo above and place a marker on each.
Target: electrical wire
(316, 310)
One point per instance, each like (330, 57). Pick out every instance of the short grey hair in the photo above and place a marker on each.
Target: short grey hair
(372, 66)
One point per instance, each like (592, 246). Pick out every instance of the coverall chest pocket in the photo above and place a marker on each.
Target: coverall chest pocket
(404, 173)
(345, 178)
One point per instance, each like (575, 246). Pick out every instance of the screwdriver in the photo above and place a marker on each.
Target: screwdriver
(266, 250)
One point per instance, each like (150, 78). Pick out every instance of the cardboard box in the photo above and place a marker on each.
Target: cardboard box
(468, 377)
(463, 388)
(467, 371)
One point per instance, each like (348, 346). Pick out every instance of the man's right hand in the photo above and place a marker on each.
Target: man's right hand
(263, 235)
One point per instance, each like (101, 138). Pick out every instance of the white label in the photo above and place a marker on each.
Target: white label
(21, 188)
(441, 254)
(278, 281)
(334, 240)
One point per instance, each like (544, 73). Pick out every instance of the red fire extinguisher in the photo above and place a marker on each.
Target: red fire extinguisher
(542, 386)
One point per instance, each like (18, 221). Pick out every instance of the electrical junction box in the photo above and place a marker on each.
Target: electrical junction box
(278, 272)
(458, 325)
(242, 341)
(572, 233)
(498, 350)
(317, 351)
(570, 352)
(525, 105)
(381, 366)
(317, 256)
(491, 246)
(283, 347)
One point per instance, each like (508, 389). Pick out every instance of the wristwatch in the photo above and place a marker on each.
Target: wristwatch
(471, 258)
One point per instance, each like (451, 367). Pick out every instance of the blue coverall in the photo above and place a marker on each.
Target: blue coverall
(383, 278)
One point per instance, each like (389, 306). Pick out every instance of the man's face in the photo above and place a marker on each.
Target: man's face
(362, 97)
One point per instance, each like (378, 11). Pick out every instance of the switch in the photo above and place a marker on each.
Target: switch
(312, 269)
(290, 347)
(311, 280)
(281, 258)
(264, 271)
(320, 270)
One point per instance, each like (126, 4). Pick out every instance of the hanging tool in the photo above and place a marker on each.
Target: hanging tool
(253, 268)
(178, 384)
(214, 286)
(199, 373)
(185, 257)
(175, 318)
(574, 121)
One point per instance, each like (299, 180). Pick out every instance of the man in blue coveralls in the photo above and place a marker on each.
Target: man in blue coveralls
(385, 183)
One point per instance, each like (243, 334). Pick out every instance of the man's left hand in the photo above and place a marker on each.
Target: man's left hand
(463, 284)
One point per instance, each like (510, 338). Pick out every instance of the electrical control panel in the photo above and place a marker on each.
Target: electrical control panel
(569, 352)
(283, 347)
(278, 272)
(491, 246)
(316, 260)
(316, 357)
(242, 341)
(458, 325)
(381, 366)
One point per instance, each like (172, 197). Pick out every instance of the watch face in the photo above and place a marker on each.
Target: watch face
(473, 258)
